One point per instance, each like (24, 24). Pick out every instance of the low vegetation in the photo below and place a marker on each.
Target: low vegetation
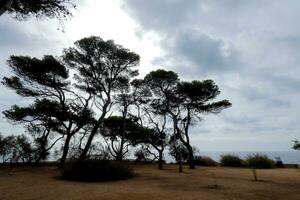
(204, 161)
(96, 170)
(259, 161)
(231, 160)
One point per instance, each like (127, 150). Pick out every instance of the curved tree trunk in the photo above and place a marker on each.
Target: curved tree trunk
(41, 156)
(94, 131)
(89, 142)
(65, 151)
(191, 156)
(180, 169)
(186, 144)
(120, 153)
(160, 160)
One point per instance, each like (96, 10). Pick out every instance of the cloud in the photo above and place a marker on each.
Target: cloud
(22, 38)
(251, 50)
(160, 15)
(191, 52)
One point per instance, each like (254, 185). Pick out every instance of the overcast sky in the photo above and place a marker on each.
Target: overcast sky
(249, 48)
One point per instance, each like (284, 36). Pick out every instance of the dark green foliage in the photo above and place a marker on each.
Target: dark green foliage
(6, 150)
(162, 84)
(184, 102)
(161, 80)
(195, 96)
(97, 170)
(102, 67)
(259, 161)
(19, 145)
(296, 145)
(36, 77)
(134, 133)
(179, 152)
(38, 8)
(122, 133)
(57, 108)
(143, 155)
(204, 161)
(231, 160)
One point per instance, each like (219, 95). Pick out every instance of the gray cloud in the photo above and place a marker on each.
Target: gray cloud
(22, 38)
(250, 48)
(197, 53)
(161, 15)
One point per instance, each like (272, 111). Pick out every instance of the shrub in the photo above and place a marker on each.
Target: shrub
(204, 161)
(231, 160)
(259, 161)
(96, 170)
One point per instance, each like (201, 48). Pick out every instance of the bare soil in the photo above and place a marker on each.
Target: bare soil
(203, 183)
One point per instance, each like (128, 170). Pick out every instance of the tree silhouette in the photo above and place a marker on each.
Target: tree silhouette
(39, 123)
(163, 85)
(19, 145)
(158, 137)
(195, 99)
(46, 80)
(120, 137)
(38, 8)
(102, 69)
(5, 147)
(183, 102)
(77, 108)
(129, 96)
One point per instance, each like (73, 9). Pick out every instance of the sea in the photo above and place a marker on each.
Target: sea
(287, 157)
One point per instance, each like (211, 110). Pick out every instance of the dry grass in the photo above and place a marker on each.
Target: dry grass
(202, 183)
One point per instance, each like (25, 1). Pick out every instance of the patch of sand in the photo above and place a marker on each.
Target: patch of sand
(203, 183)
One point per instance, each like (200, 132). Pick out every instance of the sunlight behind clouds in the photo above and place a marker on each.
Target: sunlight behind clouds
(106, 19)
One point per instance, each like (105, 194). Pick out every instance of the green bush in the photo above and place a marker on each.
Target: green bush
(96, 170)
(259, 161)
(204, 161)
(231, 160)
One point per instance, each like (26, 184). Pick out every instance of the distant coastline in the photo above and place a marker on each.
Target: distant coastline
(288, 157)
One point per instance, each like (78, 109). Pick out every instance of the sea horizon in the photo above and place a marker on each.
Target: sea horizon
(287, 157)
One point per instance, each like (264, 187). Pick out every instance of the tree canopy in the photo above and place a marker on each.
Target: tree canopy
(75, 99)
(22, 9)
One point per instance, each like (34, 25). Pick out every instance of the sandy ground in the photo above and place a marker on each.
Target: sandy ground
(201, 184)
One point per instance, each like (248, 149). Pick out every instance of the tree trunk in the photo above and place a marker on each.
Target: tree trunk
(120, 153)
(191, 157)
(119, 156)
(189, 148)
(94, 131)
(180, 168)
(160, 160)
(176, 130)
(41, 156)
(89, 143)
(65, 151)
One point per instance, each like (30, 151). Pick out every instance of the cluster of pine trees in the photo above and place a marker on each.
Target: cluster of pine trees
(91, 95)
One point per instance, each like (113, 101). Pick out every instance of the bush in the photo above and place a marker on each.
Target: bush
(231, 160)
(96, 170)
(259, 161)
(204, 161)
